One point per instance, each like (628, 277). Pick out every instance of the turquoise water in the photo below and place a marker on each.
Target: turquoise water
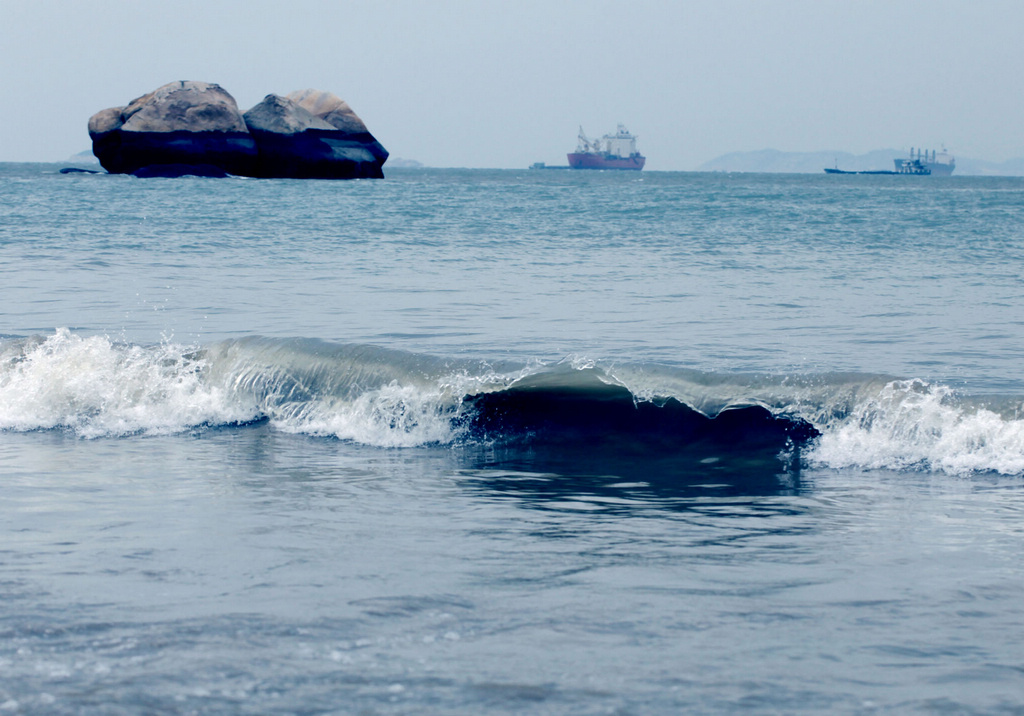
(415, 445)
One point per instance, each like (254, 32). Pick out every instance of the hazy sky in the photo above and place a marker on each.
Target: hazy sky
(505, 84)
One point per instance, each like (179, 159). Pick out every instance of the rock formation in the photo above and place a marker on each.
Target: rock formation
(336, 112)
(292, 142)
(180, 124)
(196, 128)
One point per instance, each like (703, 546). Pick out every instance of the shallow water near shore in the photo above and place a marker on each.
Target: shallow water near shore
(511, 441)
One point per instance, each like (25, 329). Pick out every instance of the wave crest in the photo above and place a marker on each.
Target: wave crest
(95, 387)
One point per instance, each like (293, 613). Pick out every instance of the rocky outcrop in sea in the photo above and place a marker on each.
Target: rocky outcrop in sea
(196, 128)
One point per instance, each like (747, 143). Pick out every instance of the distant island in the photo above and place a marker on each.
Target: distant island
(773, 161)
(400, 163)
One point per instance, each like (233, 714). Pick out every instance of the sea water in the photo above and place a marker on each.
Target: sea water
(547, 442)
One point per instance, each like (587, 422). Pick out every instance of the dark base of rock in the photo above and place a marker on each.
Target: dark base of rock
(265, 155)
(312, 155)
(78, 170)
(127, 152)
(171, 171)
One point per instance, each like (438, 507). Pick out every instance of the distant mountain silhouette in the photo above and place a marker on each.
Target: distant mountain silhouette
(400, 163)
(84, 157)
(773, 161)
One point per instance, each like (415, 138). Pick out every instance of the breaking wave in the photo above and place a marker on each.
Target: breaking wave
(94, 387)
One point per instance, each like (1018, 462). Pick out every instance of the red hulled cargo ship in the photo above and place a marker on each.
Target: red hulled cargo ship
(612, 151)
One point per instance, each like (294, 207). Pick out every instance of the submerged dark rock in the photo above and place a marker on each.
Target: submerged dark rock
(595, 428)
(603, 416)
(196, 128)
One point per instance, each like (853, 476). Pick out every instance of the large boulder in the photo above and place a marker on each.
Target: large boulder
(196, 128)
(336, 112)
(293, 142)
(178, 125)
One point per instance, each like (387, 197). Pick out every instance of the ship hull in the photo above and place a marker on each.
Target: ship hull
(581, 160)
(917, 171)
(941, 170)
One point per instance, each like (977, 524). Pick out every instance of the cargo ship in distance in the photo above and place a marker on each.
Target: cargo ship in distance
(941, 164)
(920, 163)
(612, 151)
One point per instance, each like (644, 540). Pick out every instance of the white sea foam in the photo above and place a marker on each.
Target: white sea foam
(391, 416)
(916, 425)
(365, 394)
(96, 387)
